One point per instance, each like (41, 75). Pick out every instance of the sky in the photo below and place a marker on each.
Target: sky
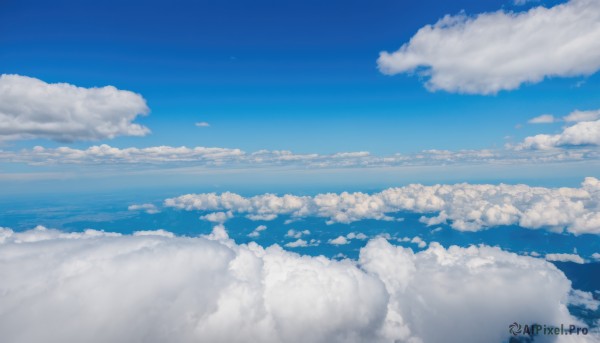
(302, 76)
(301, 171)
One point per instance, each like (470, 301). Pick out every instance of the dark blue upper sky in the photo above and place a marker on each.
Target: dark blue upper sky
(269, 74)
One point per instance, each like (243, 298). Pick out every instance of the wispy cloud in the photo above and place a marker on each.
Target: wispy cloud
(202, 124)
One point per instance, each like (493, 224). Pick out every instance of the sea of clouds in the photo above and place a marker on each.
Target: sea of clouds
(95, 286)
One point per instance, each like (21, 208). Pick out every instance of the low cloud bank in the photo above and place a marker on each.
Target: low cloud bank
(101, 287)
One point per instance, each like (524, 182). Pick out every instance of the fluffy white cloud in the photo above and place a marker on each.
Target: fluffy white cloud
(565, 258)
(340, 240)
(465, 206)
(31, 108)
(353, 235)
(300, 243)
(581, 133)
(297, 234)
(181, 289)
(543, 119)
(217, 217)
(215, 157)
(256, 232)
(596, 256)
(148, 208)
(584, 299)
(577, 116)
(159, 232)
(502, 50)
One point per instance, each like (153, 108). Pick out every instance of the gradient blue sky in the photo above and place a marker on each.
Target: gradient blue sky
(298, 75)
(293, 75)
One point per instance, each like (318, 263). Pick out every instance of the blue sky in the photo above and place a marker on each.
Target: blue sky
(301, 171)
(269, 75)
(302, 76)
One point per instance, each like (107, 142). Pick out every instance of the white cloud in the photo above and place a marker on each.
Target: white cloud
(297, 234)
(596, 256)
(501, 50)
(217, 217)
(419, 242)
(353, 235)
(340, 240)
(31, 108)
(466, 207)
(202, 124)
(213, 157)
(159, 232)
(300, 243)
(182, 289)
(565, 258)
(543, 119)
(148, 208)
(580, 134)
(256, 232)
(584, 299)
(578, 116)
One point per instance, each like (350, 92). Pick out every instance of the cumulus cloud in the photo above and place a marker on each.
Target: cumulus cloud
(577, 116)
(297, 234)
(496, 51)
(543, 119)
(467, 207)
(580, 134)
(584, 299)
(181, 289)
(217, 217)
(256, 232)
(340, 240)
(148, 208)
(31, 108)
(565, 258)
(212, 158)
(300, 243)
(159, 232)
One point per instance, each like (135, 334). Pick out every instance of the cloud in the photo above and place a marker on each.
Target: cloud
(202, 124)
(297, 234)
(578, 116)
(214, 157)
(217, 217)
(340, 240)
(159, 232)
(256, 232)
(565, 258)
(584, 299)
(148, 208)
(580, 134)
(466, 207)
(596, 256)
(182, 289)
(31, 109)
(419, 242)
(543, 119)
(300, 243)
(496, 51)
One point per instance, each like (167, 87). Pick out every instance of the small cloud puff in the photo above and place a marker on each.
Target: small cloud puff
(202, 124)
(148, 208)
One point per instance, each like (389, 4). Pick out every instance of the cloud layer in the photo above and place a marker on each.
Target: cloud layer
(467, 207)
(498, 51)
(94, 287)
(31, 108)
